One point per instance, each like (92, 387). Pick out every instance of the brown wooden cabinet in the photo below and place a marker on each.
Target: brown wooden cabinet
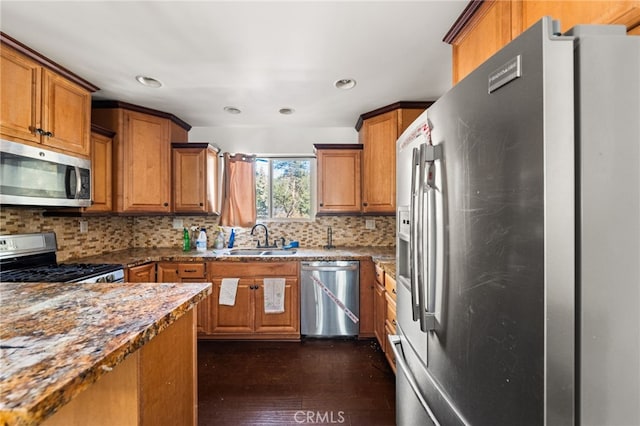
(155, 385)
(247, 319)
(390, 317)
(39, 106)
(184, 272)
(195, 178)
(378, 132)
(101, 170)
(367, 286)
(145, 273)
(486, 26)
(339, 178)
(141, 157)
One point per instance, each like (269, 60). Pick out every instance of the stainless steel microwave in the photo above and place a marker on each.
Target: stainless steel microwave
(38, 177)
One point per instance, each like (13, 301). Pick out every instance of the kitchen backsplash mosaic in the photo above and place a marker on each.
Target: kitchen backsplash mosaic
(110, 233)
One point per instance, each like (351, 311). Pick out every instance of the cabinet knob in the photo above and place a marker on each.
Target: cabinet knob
(166, 204)
(38, 131)
(321, 204)
(201, 204)
(365, 204)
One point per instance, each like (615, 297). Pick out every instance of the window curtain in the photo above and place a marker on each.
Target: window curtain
(239, 191)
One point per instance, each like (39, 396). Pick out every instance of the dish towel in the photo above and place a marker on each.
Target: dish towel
(274, 295)
(228, 291)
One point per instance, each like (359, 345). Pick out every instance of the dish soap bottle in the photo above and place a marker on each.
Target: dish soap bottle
(186, 243)
(201, 242)
(232, 238)
(219, 243)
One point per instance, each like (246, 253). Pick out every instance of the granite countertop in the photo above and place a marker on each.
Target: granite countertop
(58, 338)
(384, 256)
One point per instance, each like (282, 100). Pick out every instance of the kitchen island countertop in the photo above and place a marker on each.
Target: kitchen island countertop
(56, 339)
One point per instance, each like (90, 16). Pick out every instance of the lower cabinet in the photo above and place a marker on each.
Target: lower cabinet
(247, 318)
(384, 308)
(145, 273)
(185, 272)
(156, 385)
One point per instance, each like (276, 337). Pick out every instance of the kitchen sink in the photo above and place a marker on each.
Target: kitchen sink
(261, 252)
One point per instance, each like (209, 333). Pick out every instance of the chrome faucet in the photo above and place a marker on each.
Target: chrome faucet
(329, 245)
(266, 236)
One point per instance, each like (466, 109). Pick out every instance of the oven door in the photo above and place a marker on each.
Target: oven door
(38, 177)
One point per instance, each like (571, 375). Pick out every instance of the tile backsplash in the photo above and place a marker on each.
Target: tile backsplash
(110, 233)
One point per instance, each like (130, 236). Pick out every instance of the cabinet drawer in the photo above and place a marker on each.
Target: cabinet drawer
(380, 275)
(252, 269)
(192, 270)
(391, 313)
(390, 285)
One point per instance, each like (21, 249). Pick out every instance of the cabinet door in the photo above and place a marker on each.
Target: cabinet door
(286, 322)
(237, 319)
(147, 163)
(101, 169)
(339, 180)
(189, 184)
(168, 272)
(20, 102)
(489, 30)
(142, 274)
(380, 314)
(379, 135)
(66, 114)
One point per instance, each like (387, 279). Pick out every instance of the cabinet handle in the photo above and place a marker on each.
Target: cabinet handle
(191, 270)
(38, 131)
(48, 134)
(321, 204)
(166, 204)
(394, 291)
(201, 204)
(365, 204)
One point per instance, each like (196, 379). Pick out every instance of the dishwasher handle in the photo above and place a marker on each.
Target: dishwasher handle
(330, 268)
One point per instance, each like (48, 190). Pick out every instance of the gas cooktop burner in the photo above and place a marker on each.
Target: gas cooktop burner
(71, 272)
(32, 258)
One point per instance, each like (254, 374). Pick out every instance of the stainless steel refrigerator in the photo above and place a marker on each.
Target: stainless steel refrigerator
(518, 259)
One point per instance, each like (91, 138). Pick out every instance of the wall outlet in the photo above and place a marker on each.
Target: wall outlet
(370, 224)
(84, 226)
(178, 224)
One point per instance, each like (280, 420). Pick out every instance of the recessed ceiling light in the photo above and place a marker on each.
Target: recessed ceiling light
(232, 110)
(286, 111)
(345, 83)
(148, 81)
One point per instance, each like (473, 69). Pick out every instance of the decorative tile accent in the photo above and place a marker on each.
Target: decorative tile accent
(110, 233)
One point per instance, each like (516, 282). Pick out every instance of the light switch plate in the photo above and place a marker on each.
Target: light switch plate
(370, 224)
(178, 224)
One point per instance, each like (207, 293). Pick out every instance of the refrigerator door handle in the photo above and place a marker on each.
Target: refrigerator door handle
(413, 236)
(403, 369)
(431, 154)
(427, 319)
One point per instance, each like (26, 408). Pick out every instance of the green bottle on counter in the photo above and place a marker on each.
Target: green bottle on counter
(186, 244)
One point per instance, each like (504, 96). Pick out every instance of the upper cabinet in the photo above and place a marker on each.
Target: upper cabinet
(43, 104)
(195, 178)
(378, 132)
(101, 170)
(486, 26)
(141, 156)
(339, 178)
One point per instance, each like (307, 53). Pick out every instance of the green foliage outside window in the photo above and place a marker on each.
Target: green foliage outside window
(283, 188)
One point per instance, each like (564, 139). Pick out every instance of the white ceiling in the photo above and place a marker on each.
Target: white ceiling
(257, 56)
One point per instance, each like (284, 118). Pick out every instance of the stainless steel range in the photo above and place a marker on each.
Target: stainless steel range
(32, 258)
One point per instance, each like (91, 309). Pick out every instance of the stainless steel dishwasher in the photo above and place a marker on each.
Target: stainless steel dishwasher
(330, 298)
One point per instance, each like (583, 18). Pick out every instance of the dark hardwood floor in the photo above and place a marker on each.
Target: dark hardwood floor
(315, 381)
